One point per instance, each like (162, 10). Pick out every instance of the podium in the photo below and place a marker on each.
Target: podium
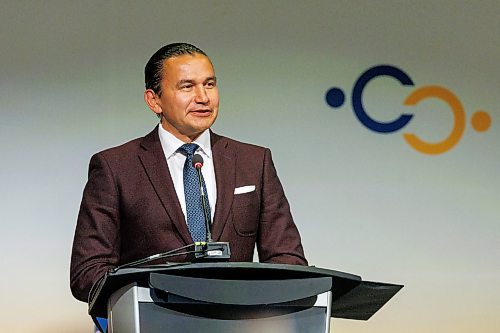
(233, 297)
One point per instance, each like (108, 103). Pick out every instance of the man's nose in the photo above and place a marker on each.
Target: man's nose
(201, 96)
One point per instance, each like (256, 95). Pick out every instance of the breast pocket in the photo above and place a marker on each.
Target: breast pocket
(246, 213)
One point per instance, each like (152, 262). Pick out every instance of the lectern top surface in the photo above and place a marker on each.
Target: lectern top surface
(238, 270)
(352, 298)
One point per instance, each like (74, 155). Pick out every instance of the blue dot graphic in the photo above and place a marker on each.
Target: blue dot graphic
(335, 97)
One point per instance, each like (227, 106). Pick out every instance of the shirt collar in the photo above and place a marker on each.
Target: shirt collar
(170, 143)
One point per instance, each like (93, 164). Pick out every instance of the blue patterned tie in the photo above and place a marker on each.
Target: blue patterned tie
(194, 210)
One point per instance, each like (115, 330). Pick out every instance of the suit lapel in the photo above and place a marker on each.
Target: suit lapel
(155, 165)
(225, 178)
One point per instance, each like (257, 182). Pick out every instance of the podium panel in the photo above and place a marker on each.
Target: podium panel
(134, 309)
(166, 320)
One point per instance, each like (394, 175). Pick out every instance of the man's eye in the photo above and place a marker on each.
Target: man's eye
(211, 84)
(186, 87)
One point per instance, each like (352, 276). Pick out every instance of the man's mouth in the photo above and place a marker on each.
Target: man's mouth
(201, 112)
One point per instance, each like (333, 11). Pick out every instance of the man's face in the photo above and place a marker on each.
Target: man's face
(189, 100)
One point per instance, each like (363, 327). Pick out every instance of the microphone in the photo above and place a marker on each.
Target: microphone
(197, 161)
(198, 164)
(209, 249)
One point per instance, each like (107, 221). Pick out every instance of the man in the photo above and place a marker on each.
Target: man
(136, 202)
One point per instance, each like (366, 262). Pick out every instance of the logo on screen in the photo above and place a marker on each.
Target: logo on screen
(480, 120)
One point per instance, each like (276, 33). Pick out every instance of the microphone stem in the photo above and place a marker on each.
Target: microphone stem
(208, 221)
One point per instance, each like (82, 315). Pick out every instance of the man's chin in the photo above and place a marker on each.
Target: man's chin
(200, 124)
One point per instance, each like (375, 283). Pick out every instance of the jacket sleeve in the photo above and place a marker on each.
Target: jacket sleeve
(96, 244)
(278, 237)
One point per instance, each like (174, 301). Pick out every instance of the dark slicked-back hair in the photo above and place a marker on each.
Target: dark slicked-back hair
(154, 67)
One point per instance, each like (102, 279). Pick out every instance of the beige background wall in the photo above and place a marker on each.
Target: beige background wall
(71, 84)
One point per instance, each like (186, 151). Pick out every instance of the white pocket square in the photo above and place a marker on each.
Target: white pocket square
(244, 189)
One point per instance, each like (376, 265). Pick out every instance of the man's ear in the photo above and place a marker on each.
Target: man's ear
(152, 100)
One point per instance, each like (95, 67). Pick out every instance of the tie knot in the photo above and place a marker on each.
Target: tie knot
(188, 148)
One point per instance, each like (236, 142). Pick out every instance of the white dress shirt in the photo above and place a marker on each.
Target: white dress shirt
(175, 161)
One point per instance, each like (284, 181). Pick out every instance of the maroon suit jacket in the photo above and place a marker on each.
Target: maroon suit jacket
(130, 209)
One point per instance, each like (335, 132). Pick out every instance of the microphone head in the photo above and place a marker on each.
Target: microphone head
(197, 161)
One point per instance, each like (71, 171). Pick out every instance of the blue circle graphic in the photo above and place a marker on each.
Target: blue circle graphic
(357, 100)
(335, 97)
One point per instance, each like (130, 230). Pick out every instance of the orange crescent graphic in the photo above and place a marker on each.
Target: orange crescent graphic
(458, 128)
